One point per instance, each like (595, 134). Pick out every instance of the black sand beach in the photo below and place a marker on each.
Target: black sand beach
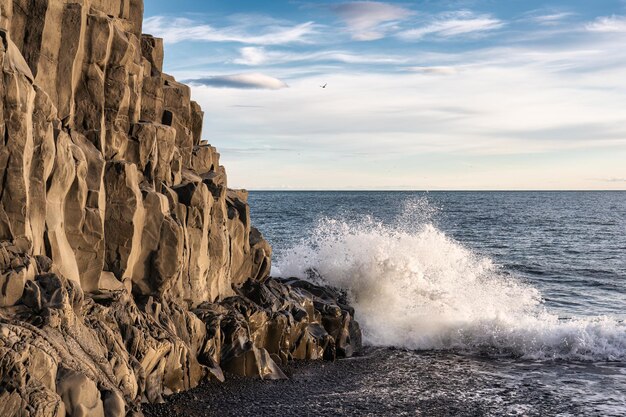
(389, 382)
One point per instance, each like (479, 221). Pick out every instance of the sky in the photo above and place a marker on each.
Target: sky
(423, 95)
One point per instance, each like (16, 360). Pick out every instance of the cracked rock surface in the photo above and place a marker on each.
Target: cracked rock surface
(128, 269)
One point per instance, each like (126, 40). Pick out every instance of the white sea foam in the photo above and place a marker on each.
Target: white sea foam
(414, 287)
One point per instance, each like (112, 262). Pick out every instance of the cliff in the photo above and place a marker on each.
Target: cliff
(128, 269)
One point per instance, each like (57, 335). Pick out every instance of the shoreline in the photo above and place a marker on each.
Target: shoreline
(395, 382)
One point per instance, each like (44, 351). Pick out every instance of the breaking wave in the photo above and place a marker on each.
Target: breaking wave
(414, 287)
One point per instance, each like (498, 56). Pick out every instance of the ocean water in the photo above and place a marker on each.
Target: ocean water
(519, 292)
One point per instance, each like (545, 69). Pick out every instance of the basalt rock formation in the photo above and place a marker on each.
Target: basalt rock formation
(128, 269)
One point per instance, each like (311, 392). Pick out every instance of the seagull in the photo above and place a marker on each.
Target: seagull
(323, 86)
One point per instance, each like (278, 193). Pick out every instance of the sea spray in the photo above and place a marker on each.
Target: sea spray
(415, 287)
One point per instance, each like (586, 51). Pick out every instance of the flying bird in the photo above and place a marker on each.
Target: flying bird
(323, 86)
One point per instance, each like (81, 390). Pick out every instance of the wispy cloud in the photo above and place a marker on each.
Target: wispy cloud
(243, 81)
(452, 24)
(175, 30)
(551, 19)
(608, 24)
(434, 70)
(370, 20)
(253, 56)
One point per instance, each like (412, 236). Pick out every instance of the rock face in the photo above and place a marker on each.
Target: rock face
(128, 269)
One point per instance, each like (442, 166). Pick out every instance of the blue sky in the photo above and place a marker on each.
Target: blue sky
(430, 95)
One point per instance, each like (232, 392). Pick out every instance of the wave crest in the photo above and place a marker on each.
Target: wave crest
(414, 287)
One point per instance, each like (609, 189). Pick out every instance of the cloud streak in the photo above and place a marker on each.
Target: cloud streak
(434, 70)
(254, 56)
(551, 19)
(453, 24)
(242, 81)
(180, 29)
(608, 24)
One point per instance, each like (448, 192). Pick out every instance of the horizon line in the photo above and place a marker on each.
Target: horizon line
(428, 191)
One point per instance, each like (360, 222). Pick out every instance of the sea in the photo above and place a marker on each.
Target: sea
(471, 303)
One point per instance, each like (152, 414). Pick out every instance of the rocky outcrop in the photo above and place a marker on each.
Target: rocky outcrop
(105, 164)
(63, 350)
(128, 269)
